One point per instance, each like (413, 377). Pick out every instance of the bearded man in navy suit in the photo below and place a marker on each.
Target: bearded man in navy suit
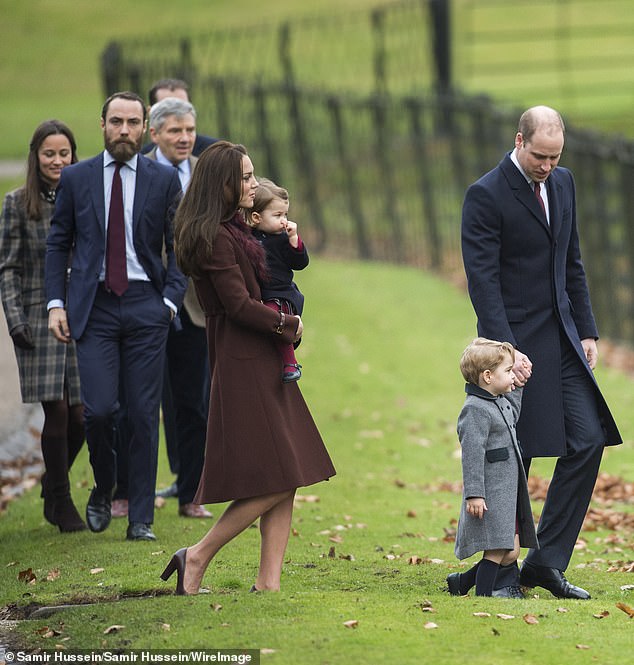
(119, 322)
(528, 287)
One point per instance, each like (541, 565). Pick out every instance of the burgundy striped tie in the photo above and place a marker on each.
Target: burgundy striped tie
(116, 267)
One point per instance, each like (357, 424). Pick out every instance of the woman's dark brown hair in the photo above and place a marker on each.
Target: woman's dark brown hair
(34, 184)
(211, 199)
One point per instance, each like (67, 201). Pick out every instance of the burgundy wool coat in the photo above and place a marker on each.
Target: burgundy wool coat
(261, 437)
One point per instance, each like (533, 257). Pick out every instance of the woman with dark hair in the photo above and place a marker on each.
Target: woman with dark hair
(48, 370)
(262, 443)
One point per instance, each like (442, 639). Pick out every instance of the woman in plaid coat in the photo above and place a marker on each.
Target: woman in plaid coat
(48, 370)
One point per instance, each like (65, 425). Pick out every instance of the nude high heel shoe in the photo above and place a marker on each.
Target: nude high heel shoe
(177, 563)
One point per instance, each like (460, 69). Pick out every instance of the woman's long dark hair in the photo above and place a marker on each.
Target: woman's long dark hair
(211, 199)
(34, 183)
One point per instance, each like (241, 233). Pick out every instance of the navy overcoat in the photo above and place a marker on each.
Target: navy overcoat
(528, 285)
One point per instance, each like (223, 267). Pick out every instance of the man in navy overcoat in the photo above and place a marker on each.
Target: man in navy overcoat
(119, 316)
(528, 286)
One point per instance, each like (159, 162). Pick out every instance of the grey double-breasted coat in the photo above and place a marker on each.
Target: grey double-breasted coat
(492, 468)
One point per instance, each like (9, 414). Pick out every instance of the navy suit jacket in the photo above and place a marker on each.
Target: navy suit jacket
(528, 285)
(78, 235)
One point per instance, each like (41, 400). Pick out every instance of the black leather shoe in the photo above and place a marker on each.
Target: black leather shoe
(551, 579)
(508, 592)
(169, 492)
(453, 584)
(98, 511)
(139, 531)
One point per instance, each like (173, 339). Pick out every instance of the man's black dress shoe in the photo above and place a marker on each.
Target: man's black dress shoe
(551, 579)
(508, 592)
(98, 511)
(168, 492)
(139, 531)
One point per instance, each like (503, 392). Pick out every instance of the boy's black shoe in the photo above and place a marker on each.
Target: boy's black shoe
(453, 584)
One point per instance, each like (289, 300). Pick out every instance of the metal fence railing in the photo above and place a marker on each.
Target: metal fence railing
(380, 174)
(387, 48)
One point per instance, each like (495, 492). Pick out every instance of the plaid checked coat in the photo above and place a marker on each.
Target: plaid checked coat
(52, 366)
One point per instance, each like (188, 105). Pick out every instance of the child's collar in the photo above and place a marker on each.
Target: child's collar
(472, 389)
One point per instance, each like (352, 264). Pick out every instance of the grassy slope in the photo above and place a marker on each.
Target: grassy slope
(380, 362)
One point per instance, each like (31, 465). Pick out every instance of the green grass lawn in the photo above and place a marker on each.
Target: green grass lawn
(381, 376)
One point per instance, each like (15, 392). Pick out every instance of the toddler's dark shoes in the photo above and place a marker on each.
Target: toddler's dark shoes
(453, 584)
(291, 373)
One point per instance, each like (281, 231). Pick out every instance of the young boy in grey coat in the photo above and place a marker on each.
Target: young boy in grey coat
(495, 517)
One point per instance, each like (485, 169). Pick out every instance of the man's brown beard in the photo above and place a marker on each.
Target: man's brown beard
(123, 149)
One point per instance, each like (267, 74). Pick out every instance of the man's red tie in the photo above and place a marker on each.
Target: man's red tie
(540, 199)
(116, 267)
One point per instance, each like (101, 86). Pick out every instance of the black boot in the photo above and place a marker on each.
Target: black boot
(76, 433)
(49, 502)
(57, 499)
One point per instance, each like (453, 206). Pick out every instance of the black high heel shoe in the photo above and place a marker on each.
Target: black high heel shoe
(177, 563)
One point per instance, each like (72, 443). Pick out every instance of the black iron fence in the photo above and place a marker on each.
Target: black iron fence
(390, 48)
(382, 175)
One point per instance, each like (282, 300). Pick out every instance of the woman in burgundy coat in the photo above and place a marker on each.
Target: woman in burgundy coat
(262, 443)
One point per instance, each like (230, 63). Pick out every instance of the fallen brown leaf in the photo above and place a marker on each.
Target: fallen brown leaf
(331, 552)
(166, 627)
(601, 615)
(113, 629)
(27, 576)
(53, 575)
(96, 571)
(352, 623)
(481, 614)
(307, 498)
(411, 513)
(47, 632)
(216, 607)
(430, 625)
(530, 619)
(627, 609)
(505, 617)
(414, 560)
(582, 646)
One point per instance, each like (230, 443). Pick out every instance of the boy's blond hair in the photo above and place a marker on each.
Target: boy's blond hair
(483, 354)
